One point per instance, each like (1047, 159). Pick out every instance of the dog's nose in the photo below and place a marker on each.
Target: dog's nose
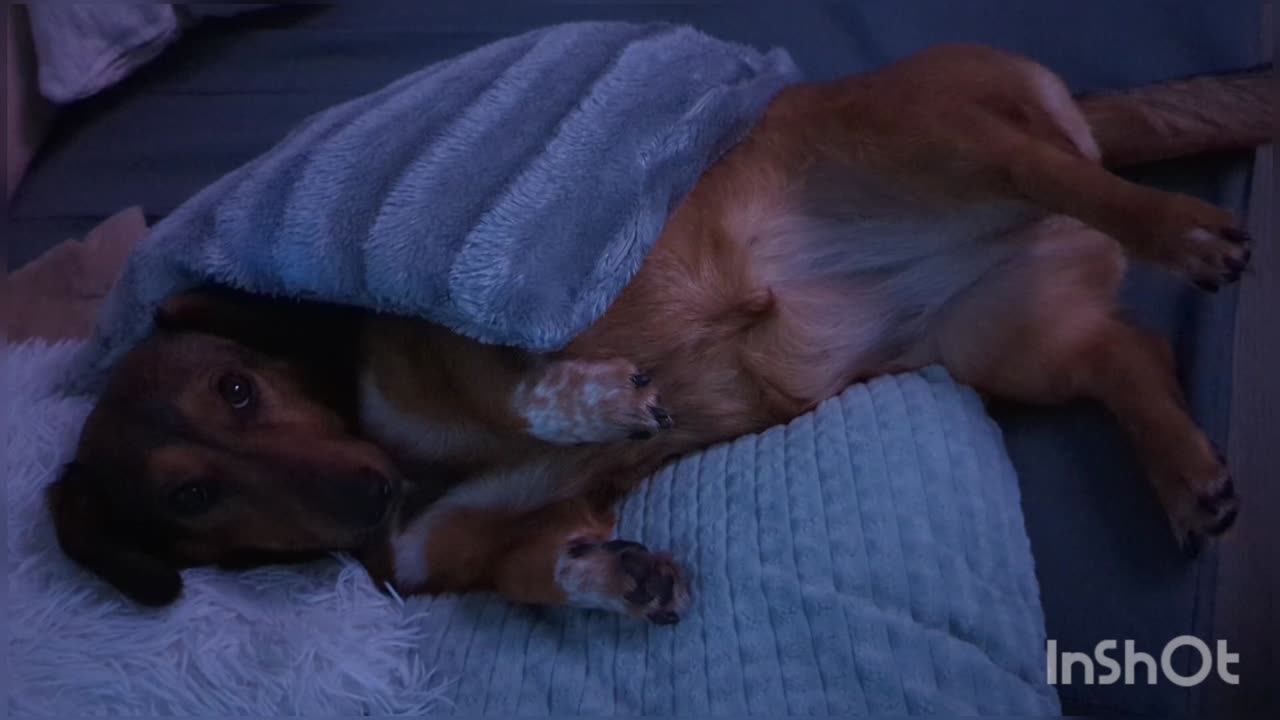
(371, 493)
(385, 492)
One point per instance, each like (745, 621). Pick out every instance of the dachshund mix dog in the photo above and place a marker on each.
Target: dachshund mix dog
(952, 208)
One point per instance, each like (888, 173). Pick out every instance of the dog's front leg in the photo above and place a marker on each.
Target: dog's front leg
(429, 392)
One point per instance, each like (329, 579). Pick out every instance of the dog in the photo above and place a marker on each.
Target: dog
(951, 208)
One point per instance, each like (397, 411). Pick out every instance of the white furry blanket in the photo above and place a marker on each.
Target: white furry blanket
(315, 640)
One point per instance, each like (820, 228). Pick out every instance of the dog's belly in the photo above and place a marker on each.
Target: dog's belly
(855, 293)
(859, 282)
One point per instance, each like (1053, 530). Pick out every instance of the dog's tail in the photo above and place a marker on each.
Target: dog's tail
(1203, 114)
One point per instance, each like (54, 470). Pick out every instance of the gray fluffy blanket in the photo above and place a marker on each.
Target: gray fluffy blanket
(508, 194)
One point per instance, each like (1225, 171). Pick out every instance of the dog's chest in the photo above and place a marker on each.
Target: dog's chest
(499, 473)
(414, 437)
(419, 441)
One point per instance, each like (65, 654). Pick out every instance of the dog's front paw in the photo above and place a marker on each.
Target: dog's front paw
(581, 401)
(624, 577)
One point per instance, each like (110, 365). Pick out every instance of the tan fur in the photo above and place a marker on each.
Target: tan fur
(950, 128)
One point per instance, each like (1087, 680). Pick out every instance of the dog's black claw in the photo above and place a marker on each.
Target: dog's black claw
(1217, 453)
(641, 435)
(664, 617)
(1236, 235)
(663, 417)
(639, 596)
(640, 380)
(1224, 524)
(578, 549)
(1211, 503)
(617, 546)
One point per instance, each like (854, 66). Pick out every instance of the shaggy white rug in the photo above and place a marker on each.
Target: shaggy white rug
(316, 640)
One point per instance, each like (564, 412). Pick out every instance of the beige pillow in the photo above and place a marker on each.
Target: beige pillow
(57, 295)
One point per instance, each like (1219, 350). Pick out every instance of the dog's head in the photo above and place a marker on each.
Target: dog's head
(226, 438)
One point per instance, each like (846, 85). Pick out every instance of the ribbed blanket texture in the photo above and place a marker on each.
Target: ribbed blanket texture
(508, 194)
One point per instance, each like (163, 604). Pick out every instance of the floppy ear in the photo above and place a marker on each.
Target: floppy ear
(85, 535)
(216, 311)
(269, 324)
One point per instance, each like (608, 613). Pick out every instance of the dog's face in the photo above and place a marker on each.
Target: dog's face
(206, 450)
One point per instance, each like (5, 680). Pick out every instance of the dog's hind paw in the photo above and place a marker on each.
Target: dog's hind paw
(624, 577)
(1215, 257)
(1200, 510)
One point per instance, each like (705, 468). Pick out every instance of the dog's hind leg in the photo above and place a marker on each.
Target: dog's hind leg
(1043, 330)
(979, 126)
(1197, 241)
(436, 396)
(558, 555)
(1023, 133)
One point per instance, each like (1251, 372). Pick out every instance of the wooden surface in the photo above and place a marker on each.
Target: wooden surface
(1247, 602)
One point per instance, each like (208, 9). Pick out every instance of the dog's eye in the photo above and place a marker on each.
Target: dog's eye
(191, 499)
(237, 390)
